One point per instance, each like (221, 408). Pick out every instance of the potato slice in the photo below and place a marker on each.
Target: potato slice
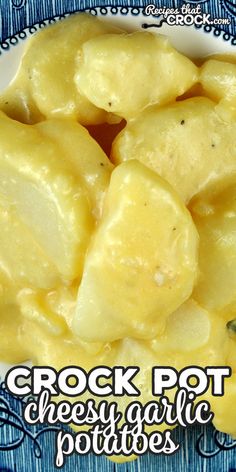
(215, 217)
(142, 263)
(187, 143)
(38, 183)
(23, 259)
(126, 73)
(50, 66)
(188, 328)
(193, 336)
(87, 158)
(219, 80)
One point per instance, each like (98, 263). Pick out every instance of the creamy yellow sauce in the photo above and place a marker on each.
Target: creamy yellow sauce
(60, 224)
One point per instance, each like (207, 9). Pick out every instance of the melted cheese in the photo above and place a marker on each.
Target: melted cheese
(37, 304)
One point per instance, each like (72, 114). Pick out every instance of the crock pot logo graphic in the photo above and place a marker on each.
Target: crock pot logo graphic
(188, 14)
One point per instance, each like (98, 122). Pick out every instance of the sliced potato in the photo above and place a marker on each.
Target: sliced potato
(17, 101)
(38, 183)
(193, 336)
(215, 217)
(49, 62)
(126, 73)
(21, 255)
(187, 143)
(188, 328)
(89, 162)
(142, 263)
(219, 80)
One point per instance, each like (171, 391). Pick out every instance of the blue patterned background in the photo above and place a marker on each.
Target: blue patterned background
(15, 15)
(31, 449)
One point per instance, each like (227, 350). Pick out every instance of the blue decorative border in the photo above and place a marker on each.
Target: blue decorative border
(18, 18)
(11, 419)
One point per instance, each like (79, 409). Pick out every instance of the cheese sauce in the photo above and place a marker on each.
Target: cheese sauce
(36, 322)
